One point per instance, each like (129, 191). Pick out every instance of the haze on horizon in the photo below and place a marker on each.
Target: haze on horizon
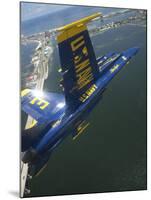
(33, 10)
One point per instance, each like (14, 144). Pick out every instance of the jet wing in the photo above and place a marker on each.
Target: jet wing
(43, 107)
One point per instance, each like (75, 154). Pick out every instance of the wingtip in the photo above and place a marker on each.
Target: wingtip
(25, 92)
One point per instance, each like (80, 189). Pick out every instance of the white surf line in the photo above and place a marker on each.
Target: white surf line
(30, 120)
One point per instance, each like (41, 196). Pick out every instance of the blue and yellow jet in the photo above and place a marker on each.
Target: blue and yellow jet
(85, 78)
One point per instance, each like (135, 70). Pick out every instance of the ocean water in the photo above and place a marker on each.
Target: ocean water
(111, 154)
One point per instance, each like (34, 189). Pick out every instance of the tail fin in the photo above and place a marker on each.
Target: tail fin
(78, 61)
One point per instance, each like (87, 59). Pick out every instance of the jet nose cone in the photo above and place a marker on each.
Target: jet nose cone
(134, 50)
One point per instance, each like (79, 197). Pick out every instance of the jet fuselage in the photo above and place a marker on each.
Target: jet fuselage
(67, 123)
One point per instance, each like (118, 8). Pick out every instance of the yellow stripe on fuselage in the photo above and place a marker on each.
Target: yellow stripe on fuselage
(81, 128)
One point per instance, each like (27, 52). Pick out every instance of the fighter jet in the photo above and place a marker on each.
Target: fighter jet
(84, 80)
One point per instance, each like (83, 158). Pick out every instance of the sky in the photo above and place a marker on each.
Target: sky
(32, 10)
